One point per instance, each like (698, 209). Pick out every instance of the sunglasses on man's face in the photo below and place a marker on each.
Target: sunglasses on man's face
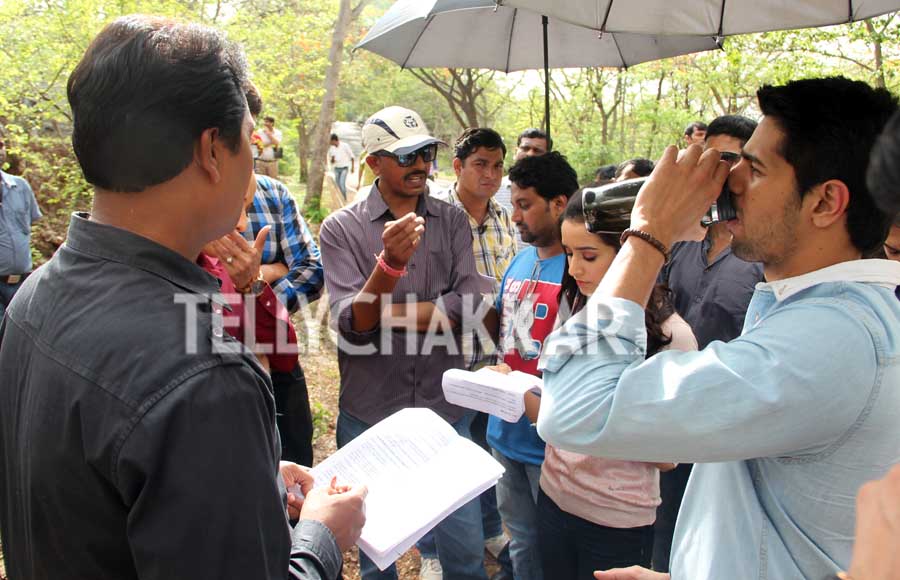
(428, 153)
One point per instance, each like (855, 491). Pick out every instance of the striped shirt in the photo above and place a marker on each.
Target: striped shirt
(289, 242)
(493, 245)
(383, 374)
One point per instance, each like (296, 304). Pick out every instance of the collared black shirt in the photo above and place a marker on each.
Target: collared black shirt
(712, 297)
(122, 454)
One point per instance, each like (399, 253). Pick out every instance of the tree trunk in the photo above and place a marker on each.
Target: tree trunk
(322, 130)
(659, 93)
(461, 88)
(879, 60)
(303, 151)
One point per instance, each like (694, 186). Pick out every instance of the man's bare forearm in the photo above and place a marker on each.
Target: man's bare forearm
(418, 317)
(273, 272)
(366, 307)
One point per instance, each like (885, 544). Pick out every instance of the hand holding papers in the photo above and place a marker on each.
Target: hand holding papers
(418, 471)
(486, 390)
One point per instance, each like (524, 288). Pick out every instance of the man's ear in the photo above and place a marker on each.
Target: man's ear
(828, 202)
(373, 162)
(208, 154)
(558, 204)
(457, 166)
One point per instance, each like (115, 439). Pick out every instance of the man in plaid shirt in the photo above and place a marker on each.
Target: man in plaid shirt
(478, 163)
(293, 268)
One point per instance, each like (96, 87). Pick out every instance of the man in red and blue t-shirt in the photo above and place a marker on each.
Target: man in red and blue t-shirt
(527, 304)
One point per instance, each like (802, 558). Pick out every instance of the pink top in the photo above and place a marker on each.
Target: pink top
(610, 492)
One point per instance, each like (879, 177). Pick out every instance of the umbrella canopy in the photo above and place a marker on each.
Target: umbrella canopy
(705, 17)
(480, 34)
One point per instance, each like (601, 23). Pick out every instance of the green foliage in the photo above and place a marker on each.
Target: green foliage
(599, 116)
(322, 418)
(317, 213)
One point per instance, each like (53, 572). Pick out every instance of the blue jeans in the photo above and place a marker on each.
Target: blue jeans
(458, 538)
(517, 494)
(340, 177)
(490, 516)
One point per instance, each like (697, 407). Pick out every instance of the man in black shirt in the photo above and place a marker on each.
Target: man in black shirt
(137, 439)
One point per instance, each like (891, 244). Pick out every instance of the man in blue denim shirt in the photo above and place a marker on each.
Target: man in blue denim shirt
(18, 211)
(789, 419)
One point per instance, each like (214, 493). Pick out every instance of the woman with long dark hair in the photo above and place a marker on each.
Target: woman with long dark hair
(596, 513)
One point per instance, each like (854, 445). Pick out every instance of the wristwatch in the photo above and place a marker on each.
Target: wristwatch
(255, 287)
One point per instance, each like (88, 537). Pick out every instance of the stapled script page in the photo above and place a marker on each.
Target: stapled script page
(418, 471)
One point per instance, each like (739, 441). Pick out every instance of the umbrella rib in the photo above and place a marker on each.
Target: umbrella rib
(606, 16)
(512, 29)
(722, 19)
(850, 7)
(619, 50)
(418, 38)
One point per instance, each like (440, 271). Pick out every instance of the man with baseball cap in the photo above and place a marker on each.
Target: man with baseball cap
(400, 272)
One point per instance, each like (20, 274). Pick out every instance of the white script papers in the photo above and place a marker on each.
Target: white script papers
(418, 471)
(486, 390)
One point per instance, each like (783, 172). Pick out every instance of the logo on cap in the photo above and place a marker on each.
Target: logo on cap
(410, 122)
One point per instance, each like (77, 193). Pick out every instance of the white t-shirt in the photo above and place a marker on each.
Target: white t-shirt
(268, 152)
(341, 154)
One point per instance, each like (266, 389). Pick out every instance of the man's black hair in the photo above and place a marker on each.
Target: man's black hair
(334, 137)
(830, 126)
(473, 138)
(689, 130)
(550, 175)
(254, 100)
(269, 119)
(883, 177)
(737, 126)
(143, 93)
(533, 133)
(606, 172)
(641, 166)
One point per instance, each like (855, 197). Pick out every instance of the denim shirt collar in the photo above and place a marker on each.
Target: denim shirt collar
(884, 273)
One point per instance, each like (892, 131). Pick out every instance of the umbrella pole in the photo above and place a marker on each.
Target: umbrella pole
(544, 22)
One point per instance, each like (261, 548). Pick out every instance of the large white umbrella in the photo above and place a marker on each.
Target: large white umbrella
(705, 17)
(480, 34)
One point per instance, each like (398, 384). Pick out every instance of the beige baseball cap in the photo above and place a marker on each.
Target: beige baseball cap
(396, 130)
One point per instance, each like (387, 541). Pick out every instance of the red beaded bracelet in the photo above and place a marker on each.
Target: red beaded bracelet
(647, 238)
(387, 269)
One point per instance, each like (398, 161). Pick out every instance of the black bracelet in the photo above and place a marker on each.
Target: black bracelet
(647, 238)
